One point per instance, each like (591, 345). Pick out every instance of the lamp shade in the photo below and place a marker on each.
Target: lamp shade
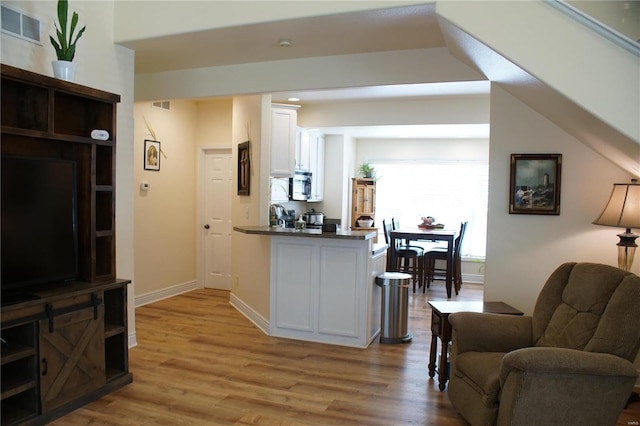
(623, 208)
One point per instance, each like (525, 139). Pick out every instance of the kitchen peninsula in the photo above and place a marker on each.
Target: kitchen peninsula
(322, 284)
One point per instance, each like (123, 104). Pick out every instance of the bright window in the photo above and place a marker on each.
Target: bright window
(449, 191)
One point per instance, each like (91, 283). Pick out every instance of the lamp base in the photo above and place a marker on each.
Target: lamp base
(626, 249)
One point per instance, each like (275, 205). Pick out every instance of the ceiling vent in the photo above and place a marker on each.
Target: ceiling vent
(164, 105)
(20, 25)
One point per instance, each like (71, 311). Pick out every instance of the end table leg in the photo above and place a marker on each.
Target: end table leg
(432, 355)
(443, 371)
(443, 384)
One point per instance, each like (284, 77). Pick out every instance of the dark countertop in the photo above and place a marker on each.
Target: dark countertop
(313, 233)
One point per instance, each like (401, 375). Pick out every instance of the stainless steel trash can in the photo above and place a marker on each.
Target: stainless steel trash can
(395, 307)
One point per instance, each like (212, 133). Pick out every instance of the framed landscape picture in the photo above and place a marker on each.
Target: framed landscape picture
(535, 184)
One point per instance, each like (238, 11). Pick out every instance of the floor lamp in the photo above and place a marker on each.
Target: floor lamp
(623, 211)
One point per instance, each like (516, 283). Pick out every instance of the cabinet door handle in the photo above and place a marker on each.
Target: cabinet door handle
(45, 367)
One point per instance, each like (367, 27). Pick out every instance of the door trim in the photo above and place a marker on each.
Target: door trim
(200, 261)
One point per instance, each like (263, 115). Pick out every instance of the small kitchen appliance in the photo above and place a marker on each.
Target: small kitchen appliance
(314, 219)
(300, 186)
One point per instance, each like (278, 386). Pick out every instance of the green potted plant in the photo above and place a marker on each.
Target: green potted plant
(367, 170)
(65, 43)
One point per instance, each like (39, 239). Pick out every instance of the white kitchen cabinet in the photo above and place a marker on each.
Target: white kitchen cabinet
(310, 157)
(316, 166)
(284, 120)
(303, 154)
(323, 290)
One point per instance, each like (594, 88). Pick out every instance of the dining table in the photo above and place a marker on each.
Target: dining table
(424, 234)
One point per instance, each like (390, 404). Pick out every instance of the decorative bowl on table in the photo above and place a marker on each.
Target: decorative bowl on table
(431, 226)
(365, 223)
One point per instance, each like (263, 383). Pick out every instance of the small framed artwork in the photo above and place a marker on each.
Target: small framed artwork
(244, 168)
(151, 155)
(535, 184)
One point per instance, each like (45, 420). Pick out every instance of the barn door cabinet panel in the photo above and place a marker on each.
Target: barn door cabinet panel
(71, 352)
(62, 350)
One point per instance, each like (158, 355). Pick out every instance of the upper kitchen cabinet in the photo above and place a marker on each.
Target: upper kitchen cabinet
(316, 166)
(303, 155)
(284, 119)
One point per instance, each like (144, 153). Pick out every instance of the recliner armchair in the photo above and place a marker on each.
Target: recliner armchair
(571, 362)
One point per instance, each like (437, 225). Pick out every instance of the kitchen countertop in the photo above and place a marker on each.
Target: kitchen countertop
(313, 233)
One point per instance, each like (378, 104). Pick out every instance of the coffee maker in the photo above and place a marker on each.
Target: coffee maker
(280, 216)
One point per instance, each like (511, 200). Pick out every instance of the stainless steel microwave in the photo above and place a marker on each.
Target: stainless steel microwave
(300, 186)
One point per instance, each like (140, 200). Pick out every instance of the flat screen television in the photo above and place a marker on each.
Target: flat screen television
(39, 229)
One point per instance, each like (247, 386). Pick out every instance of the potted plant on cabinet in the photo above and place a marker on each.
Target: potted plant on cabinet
(368, 171)
(65, 43)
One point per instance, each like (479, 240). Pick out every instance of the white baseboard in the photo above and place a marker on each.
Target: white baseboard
(165, 293)
(132, 340)
(249, 313)
(473, 278)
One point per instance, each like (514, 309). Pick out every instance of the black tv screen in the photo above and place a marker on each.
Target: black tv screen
(39, 222)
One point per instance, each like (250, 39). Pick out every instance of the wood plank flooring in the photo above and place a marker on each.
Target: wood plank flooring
(200, 362)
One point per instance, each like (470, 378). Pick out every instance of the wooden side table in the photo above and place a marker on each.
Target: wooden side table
(440, 328)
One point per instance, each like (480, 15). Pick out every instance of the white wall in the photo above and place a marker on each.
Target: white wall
(213, 122)
(566, 55)
(251, 253)
(103, 65)
(395, 67)
(334, 176)
(203, 15)
(421, 149)
(165, 214)
(523, 250)
(472, 109)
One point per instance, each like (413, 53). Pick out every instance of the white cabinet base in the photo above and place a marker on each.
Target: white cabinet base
(323, 290)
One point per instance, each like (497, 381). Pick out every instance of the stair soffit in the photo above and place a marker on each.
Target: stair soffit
(606, 139)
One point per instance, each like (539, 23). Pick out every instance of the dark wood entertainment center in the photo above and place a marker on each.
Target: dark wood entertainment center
(68, 345)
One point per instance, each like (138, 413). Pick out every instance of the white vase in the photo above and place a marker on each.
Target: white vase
(64, 70)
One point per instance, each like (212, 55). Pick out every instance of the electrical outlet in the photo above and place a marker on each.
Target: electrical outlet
(237, 282)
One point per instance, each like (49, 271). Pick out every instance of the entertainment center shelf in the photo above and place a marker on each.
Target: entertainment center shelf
(64, 344)
(47, 117)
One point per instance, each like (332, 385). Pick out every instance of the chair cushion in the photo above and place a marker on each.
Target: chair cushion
(481, 370)
(583, 301)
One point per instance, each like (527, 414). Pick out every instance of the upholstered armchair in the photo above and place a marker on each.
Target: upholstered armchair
(571, 362)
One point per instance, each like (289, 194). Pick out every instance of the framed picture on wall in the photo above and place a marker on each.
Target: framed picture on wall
(151, 155)
(535, 184)
(244, 168)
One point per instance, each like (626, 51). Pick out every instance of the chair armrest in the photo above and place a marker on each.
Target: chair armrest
(565, 361)
(557, 386)
(484, 332)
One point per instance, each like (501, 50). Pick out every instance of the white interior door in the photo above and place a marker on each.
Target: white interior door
(217, 219)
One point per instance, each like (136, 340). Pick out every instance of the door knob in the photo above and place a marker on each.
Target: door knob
(206, 226)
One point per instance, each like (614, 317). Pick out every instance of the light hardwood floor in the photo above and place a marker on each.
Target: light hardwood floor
(200, 362)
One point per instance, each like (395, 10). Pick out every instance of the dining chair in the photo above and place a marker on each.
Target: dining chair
(430, 257)
(395, 224)
(424, 245)
(409, 259)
